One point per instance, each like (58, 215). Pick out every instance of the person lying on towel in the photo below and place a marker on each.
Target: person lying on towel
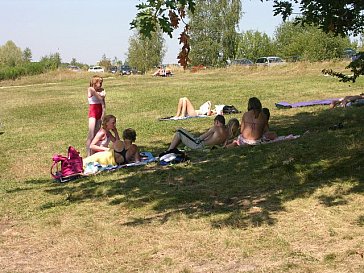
(216, 135)
(123, 152)
(348, 101)
(254, 125)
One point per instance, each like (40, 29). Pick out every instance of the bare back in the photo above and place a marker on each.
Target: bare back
(253, 125)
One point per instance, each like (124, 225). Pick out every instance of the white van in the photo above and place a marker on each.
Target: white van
(96, 69)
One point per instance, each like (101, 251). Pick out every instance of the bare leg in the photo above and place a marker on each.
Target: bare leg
(189, 108)
(175, 142)
(179, 107)
(91, 134)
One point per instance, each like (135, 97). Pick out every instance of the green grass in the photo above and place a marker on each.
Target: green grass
(293, 206)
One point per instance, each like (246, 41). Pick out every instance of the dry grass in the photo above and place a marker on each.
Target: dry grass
(285, 207)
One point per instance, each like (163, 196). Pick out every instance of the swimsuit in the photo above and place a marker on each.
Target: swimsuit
(242, 141)
(123, 154)
(95, 107)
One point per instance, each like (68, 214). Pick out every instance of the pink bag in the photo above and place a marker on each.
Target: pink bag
(70, 166)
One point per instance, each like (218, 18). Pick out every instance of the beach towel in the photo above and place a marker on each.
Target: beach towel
(284, 105)
(182, 118)
(95, 167)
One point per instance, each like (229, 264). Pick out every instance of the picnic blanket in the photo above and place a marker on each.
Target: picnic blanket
(182, 118)
(284, 105)
(95, 167)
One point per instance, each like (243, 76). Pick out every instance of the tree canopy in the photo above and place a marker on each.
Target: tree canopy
(340, 17)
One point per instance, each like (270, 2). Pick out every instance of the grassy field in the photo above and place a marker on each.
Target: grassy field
(294, 206)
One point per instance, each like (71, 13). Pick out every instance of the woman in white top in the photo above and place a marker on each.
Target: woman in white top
(103, 137)
(185, 108)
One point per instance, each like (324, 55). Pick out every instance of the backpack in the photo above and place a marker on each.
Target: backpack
(230, 109)
(173, 156)
(67, 168)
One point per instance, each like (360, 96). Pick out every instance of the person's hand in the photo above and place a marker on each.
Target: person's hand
(102, 93)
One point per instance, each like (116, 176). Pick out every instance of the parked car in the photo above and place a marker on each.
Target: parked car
(349, 53)
(96, 69)
(113, 69)
(243, 62)
(269, 61)
(74, 68)
(125, 70)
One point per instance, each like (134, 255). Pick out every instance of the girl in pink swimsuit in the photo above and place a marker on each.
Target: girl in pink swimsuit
(96, 100)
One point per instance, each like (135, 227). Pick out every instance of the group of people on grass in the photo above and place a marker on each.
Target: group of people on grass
(253, 129)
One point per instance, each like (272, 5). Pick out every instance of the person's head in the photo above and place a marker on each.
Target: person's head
(254, 104)
(108, 122)
(266, 112)
(220, 119)
(129, 134)
(96, 81)
(233, 127)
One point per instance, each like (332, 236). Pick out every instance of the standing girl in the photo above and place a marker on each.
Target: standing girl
(96, 100)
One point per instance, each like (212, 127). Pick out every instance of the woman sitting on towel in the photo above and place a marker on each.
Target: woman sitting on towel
(103, 137)
(185, 109)
(254, 124)
(123, 152)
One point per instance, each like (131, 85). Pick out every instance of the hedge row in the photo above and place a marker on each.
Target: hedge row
(12, 73)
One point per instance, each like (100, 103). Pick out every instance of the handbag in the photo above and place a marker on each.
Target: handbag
(67, 167)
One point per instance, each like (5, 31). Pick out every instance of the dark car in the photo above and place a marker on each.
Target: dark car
(113, 69)
(243, 62)
(125, 70)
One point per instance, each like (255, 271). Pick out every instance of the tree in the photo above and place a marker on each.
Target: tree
(27, 55)
(336, 16)
(309, 42)
(213, 31)
(105, 62)
(254, 44)
(145, 53)
(73, 62)
(51, 62)
(10, 54)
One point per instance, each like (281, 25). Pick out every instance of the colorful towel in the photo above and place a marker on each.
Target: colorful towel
(284, 104)
(94, 167)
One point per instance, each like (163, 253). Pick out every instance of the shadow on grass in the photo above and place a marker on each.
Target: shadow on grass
(239, 187)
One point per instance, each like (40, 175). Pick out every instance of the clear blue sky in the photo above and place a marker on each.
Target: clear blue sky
(87, 29)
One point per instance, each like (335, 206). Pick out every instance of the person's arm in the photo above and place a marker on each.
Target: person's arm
(137, 154)
(207, 134)
(98, 137)
(242, 124)
(114, 137)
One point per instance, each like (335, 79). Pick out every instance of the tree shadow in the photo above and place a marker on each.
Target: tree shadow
(242, 187)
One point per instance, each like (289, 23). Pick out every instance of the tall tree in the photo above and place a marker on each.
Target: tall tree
(145, 53)
(10, 54)
(105, 62)
(213, 31)
(254, 44)
(27, 55)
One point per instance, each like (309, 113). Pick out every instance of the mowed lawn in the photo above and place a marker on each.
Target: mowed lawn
(293, 206)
